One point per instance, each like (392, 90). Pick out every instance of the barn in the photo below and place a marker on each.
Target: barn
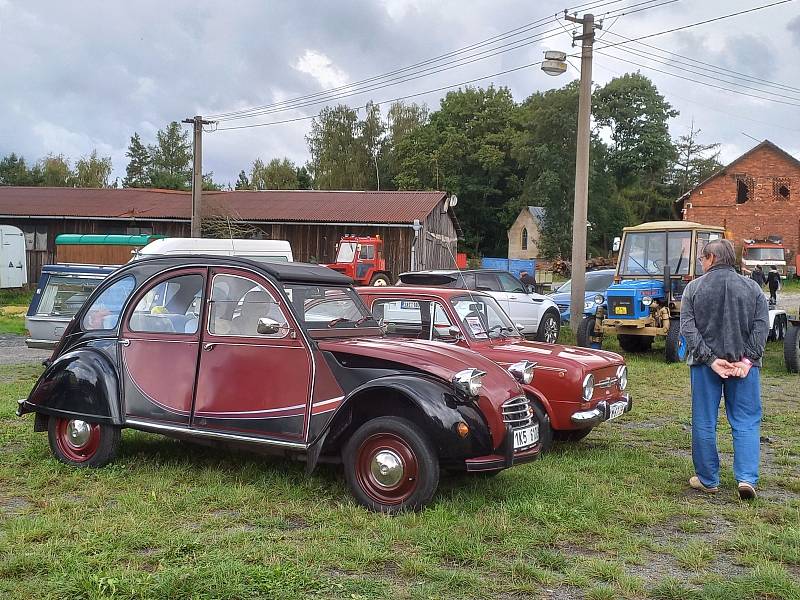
(419, 228)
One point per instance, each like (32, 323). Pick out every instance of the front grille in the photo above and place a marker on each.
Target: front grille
(517, 412)
(605, 383)
(615, 301)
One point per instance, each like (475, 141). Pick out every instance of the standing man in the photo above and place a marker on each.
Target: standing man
(758, 276)
(725, 319)
(773, 283)
(526, 278)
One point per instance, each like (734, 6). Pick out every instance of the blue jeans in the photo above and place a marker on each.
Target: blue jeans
(743, 407)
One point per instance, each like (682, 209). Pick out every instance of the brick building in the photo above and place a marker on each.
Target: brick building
(755, 196)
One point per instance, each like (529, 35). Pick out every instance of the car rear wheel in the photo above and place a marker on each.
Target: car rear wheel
(549, 328)
(390, 465)
(791, 349)
(83, 444)
(571, 435)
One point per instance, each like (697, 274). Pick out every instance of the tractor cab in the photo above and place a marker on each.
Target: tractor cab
(656, 261)
(361, 258)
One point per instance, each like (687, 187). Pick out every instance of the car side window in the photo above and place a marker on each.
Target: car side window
(412, 318)
(510, 283)
(237, 304)
(105, 309)
(170, 306)
(487, 282)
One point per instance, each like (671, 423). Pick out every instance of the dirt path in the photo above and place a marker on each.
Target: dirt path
(13, 351)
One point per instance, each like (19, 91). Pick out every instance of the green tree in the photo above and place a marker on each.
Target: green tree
(304, 181)
(14, 171)
(137, 173)
(210, 185)
(339, 157)
(401, 120)
(171, 159)
(243, 183)
(277, 174)
(694, 161)
(92, 171)
(55, 171)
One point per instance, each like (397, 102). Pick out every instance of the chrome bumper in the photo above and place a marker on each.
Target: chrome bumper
(600, 413)
(41, 344)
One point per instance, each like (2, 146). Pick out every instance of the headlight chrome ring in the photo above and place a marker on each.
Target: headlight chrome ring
(523, 371)
(599, 299)
(468, 382)
(622, 377)
(588, 387)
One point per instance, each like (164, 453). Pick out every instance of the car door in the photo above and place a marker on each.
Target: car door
(523, 308)
(160, 342)
(249, 382)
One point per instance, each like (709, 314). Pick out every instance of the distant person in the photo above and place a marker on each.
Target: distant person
(526, 278)
(758, 276)
(774, 284)
(725, 319)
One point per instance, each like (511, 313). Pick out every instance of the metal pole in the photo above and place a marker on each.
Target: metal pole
(580, 214)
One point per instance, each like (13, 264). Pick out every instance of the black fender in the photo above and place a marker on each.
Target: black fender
(424, 400)
(82, 383)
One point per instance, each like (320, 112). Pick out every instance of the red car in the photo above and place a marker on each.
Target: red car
(280, 357)
(574, 389)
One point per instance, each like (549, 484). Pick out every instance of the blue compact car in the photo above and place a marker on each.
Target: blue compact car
(597, 282)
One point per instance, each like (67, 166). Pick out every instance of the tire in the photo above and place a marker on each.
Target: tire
(545, 429)
(784, 327)
(571, 435)
(635, 343)
(675, 346)
(791, 349)
(585, 331)
(380, 279)
(81, 444)
(549, 328)
(401, 442)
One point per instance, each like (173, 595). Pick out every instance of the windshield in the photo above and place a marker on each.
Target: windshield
(595, 282)
(63, 296)
(328, 307)
(346, 253)
(482, 318)
(764, 254)
(647, 253)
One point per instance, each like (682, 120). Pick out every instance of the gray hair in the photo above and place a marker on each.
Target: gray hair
(723, 252)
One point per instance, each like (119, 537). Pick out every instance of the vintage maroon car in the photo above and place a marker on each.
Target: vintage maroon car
(281, 357)
(574, 389)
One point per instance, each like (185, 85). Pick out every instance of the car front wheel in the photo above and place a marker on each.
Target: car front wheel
(83, 444)
(549, 328)
(390, 465)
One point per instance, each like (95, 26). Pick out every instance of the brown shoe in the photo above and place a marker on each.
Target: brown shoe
(696, 484)
(746, 491)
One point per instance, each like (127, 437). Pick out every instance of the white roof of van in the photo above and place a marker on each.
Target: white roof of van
(200, 245)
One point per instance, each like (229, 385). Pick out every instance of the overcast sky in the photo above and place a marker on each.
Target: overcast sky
(83, 75)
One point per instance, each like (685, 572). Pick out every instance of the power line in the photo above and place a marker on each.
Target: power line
(396, 81)
(625, 10)
(439, 89)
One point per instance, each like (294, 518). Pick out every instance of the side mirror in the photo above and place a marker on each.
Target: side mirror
(520, 327)
(615, 244)
(454, 332)
(267, 326)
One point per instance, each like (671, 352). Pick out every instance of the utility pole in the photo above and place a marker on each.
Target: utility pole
(580, 214)
(197, 174)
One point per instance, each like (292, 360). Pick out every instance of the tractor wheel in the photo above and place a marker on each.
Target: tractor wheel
(791, 349)
(380, 280)
(635, 343)
(585, 333)
(675, 350)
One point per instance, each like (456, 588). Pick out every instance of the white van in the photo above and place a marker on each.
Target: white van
(258, 250)
(13, 264)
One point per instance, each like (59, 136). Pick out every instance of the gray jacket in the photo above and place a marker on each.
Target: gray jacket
(724, 315)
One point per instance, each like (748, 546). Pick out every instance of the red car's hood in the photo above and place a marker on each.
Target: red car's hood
(510, 351)
(439, 359)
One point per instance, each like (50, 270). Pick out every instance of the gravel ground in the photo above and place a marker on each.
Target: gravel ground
(789, 301)
(13, 351)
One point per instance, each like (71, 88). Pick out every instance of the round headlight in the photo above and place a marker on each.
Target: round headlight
(599, 299)
(523, 371)
(588, 387)
(468, 382)
(647, 300)
(622, 377)
(589, 305)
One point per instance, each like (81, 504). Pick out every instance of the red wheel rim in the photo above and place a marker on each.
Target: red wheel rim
(387, 469)
(77, 440)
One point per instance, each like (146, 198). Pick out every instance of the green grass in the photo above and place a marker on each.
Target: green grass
(13, 304)
(609, 517)
(15, 297)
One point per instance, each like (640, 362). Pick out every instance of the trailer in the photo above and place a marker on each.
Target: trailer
(13, 264)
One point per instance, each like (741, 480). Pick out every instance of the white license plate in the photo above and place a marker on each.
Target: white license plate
(616, 410)
(526, 437)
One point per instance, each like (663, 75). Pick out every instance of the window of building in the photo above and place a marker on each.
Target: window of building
(780, 188)
(742, 189)
(524, 238)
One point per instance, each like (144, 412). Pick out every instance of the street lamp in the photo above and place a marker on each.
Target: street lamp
(555, 62)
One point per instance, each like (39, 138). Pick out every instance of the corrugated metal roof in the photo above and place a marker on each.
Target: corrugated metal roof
(296, 205)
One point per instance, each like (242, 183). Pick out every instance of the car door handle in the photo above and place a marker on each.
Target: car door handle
(124, 342)
(512, 297)
(208, 347)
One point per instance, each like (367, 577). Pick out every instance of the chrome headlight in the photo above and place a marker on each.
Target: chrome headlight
(589, 305)
(622, 377)
(599, 299)
(647, 300)
(468, 382)
(588, 387)
(523, 371)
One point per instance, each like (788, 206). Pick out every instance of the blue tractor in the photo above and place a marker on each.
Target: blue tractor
(655, 263)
